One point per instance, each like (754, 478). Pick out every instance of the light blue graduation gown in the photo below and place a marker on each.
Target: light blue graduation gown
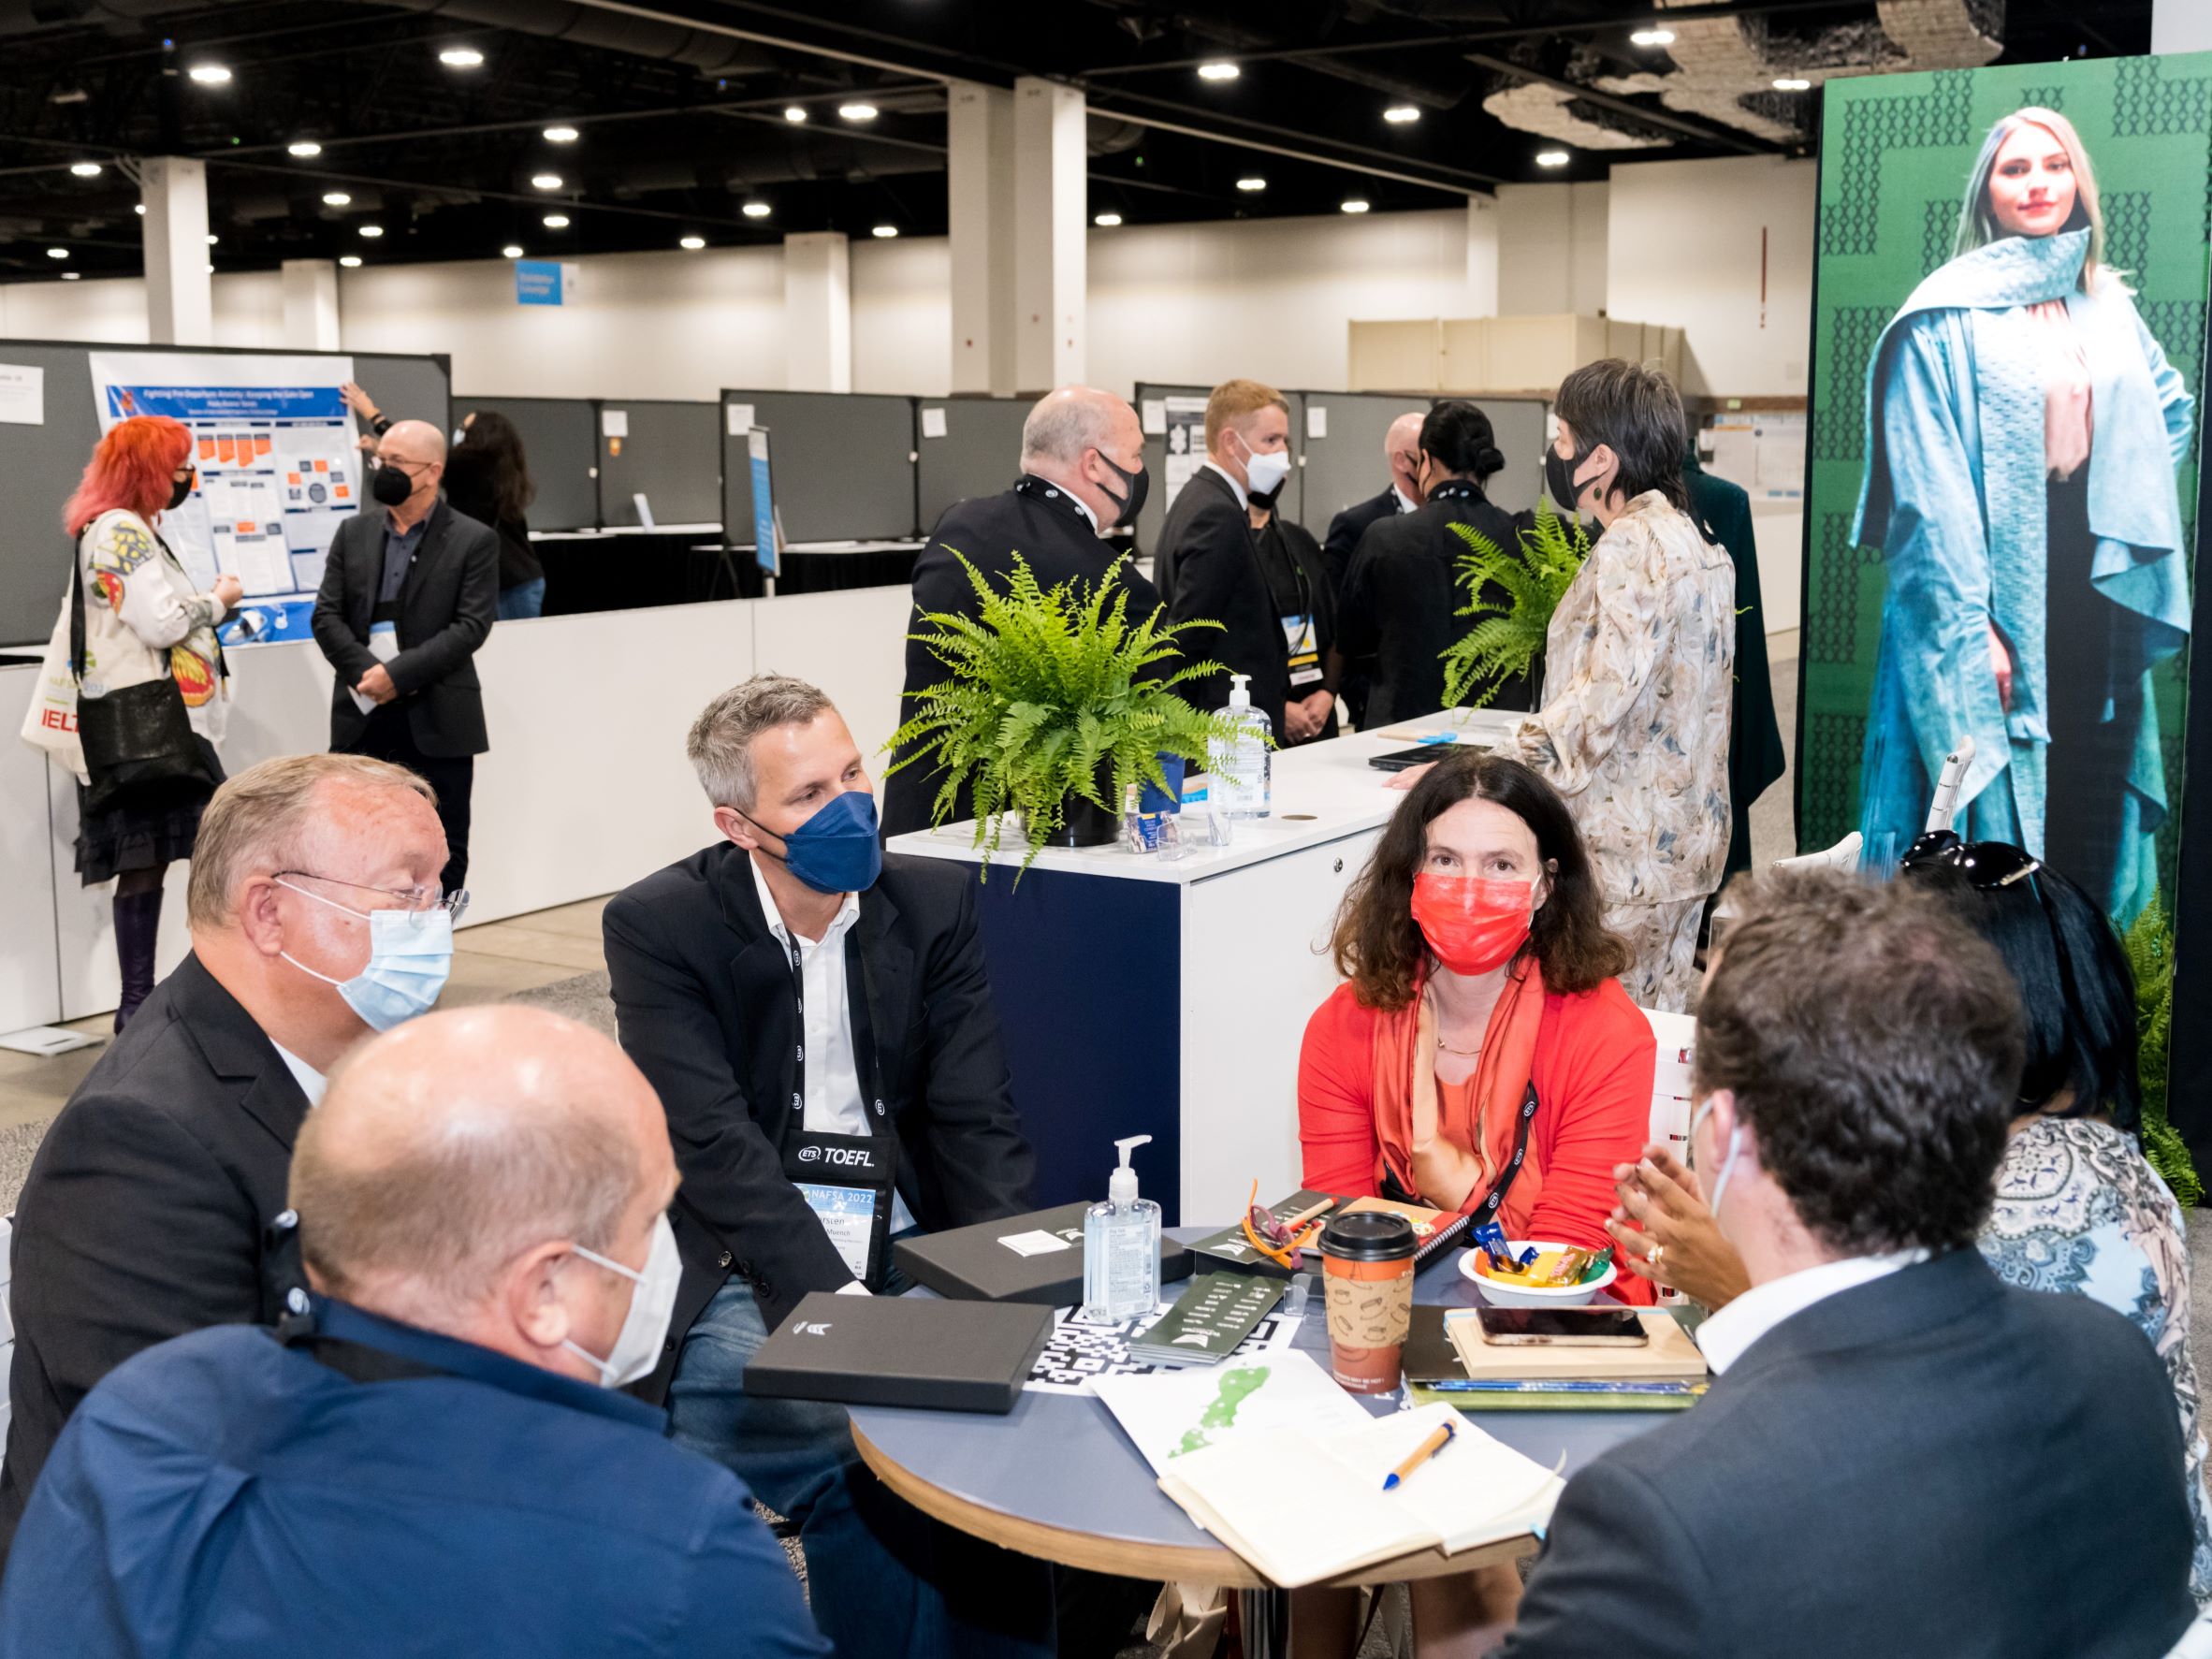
(1955, 496)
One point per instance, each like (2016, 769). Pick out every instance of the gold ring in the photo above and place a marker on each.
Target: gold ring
(1657, 1257)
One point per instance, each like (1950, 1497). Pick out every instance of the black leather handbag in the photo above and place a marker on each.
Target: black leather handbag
(136, 737)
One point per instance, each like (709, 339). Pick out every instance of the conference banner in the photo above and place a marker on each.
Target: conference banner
(2008, 341)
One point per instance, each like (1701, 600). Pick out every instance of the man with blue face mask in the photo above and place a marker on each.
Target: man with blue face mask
(815, 1016)
(316, 919)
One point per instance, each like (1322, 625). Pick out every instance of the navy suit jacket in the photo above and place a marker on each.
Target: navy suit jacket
(376, 1489)
(1934, 1465)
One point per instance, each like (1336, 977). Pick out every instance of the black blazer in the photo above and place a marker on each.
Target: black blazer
(146, 1210)
(1208, 568)
(447, 608)
(1348, 526)
(1934, 1465)
(704, 1002)
(1399, 600)
(1052, 533)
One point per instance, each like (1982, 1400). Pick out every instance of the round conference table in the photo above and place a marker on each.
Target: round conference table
(1056, 1477)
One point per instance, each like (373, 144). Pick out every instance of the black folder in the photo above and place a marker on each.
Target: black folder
(901, 1350)
(979, 1264)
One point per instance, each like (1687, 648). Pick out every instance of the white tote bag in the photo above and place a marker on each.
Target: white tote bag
(51, 722)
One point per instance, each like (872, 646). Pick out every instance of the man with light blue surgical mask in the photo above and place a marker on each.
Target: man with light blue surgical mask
(317, 920)
(815, 1018)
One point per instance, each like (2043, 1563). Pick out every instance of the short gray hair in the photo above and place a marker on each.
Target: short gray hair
(720, 743)
(1060, 428)
(257, 818)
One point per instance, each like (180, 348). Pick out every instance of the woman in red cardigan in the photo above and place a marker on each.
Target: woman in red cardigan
(1480, 1055)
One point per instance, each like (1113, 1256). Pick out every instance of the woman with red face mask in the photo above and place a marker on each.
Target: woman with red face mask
(1480, 1056)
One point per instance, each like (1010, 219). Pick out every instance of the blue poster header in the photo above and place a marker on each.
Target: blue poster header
(227, 402)
(537, 282)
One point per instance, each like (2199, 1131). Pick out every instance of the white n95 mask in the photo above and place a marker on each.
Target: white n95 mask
(1264, 473)
(645, 1328)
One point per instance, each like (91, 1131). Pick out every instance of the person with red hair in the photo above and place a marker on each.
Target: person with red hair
(142, 620)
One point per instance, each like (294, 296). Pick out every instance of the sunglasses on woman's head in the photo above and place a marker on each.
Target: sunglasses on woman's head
(1986, 864)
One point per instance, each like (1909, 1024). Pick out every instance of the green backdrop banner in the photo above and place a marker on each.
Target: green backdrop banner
(1973, 595)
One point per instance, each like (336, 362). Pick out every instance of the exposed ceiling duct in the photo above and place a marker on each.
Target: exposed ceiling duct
(1552, 112)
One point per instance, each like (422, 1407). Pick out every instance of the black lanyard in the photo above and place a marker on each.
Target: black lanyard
(863, 1038)
(1456, 489)
(1486, 1210)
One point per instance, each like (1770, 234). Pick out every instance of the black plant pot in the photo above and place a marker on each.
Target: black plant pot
(1085, 825)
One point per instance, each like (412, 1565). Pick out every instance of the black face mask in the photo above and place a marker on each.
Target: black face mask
(1132, 500)
(1269, 499)
(1559, 477)
(390, 485)
(179, 492)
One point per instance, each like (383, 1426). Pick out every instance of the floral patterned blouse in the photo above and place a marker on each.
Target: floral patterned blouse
(1638, 679)
(2080, 1211)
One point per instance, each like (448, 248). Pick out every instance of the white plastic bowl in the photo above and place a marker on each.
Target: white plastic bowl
(1499, 1293)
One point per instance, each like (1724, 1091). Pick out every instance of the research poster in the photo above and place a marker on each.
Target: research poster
(1187, 445)
(274, 443)
(2008, 339)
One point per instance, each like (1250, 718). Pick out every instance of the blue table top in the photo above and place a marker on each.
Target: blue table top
(1062, 1460)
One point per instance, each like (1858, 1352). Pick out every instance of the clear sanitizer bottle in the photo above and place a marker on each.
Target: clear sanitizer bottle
(1121, 1248)
(1243, 758)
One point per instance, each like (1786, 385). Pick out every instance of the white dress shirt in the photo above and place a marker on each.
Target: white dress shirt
(311, 1082)
(1406, 502)
(834, 1103)
(1244, 500)
(1728, 1333)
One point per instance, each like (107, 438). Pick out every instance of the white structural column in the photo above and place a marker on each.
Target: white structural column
(311, 304)
(979, 199)
(2180, 26)
(179, 298)
(818, 311)
(1050, 228)
(1482, 257)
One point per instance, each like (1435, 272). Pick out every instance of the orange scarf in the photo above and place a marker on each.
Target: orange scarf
(1406, 1071)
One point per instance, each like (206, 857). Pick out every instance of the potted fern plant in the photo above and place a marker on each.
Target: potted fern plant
(1508, 637)
(1047, 710)
(2149, 943)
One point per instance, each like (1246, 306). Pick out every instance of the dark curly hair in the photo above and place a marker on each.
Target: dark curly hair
(1872, 1043)
(1378, 946)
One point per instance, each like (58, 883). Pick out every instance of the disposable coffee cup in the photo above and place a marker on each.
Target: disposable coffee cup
(1367, 1268)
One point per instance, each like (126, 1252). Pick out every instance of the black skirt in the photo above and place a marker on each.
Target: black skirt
(146, 829)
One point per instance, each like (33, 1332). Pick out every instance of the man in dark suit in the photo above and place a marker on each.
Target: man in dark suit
(1210, 566)
(1082, 476)
(1402, 455)
(148, 1210)
(1399, 597)
(1901, 1455)
(409, 592)
(792, 993)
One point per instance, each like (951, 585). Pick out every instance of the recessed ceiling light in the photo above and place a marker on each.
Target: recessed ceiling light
(1218, 71)
(1106, 221)
(794, 112)
(57, 253)
(70, 95)
(460, 57)
(1354, 204)
(1792, 83)
(372, 231)
(1399, 114)
(336, 198)
(512, 251)
(1551, 158)
(545, 180)
(886, 231)
(351, 261)
(139, 208)
(210, 268)
(69, 276)
(1650, 38)
(858, 111)
(303, 147)
(209, 74)
(1252, 183)
(556, 221)
(561, 134)
(691, 243)
(85, 169)
(213, 239)
(756, 209)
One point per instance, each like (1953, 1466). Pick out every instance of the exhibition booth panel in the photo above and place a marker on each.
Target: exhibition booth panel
(966, 447)
(667, 452)
(842, 464)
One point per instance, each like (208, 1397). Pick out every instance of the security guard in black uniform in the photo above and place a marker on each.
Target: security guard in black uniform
(1083, 475)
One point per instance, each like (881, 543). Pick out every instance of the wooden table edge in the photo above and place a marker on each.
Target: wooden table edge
(1186, 1564)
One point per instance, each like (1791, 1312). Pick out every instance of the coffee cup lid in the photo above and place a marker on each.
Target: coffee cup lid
(1369, 1235)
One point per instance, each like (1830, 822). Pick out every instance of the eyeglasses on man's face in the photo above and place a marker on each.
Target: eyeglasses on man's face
(422, 902)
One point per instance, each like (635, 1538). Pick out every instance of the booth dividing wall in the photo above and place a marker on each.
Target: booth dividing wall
(843, 464)
(39, 464)
(979, 452)
(669, 453)
(560, 439)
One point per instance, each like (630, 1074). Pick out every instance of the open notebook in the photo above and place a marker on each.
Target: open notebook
(1261, 1495)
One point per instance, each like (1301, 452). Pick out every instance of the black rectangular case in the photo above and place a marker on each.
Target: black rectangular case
(901, 1350)
(972, 1264)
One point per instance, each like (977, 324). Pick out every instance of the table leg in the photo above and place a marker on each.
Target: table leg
(1265, 1618)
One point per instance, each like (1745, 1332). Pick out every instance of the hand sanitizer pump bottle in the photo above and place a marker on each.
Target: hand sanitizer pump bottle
(1121, 1248)
(1244, 757)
